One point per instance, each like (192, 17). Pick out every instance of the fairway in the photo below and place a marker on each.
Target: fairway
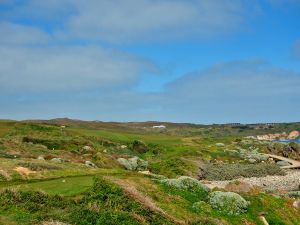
(63, 186)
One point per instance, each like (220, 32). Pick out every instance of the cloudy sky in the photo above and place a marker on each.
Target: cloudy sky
(202, 61)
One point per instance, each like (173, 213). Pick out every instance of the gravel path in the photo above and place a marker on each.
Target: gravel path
(291, 181)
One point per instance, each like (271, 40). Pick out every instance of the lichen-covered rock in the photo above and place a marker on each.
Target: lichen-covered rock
(186, 183)
(228, 202)
(201, 207)
(134, 164)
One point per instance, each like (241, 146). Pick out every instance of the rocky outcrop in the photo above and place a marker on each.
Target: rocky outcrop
(293, 135)
(134, 164)
(277, 136)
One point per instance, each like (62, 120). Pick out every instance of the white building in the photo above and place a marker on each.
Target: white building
(160, 126)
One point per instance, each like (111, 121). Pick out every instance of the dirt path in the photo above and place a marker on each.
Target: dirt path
(295, 164)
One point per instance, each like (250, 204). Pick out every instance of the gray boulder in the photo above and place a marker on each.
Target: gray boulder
(134, 164)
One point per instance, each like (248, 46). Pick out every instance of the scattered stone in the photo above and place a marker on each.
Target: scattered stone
(228, 202)
(87, 149)
(57, 160)
(123, 146)
(41, 158)
(288, 182)
(90, 164)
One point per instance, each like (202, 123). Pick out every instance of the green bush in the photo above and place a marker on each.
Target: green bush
(294, 194)
(186, 183)
(233, 171)
(228, 202)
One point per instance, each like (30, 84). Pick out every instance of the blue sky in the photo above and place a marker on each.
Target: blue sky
(201, 61)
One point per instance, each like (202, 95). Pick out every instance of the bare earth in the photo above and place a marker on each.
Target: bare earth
(291, 181)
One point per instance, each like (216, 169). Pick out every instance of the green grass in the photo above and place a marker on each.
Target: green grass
(69, 186)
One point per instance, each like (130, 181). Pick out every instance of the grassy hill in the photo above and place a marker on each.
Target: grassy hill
(69, 171)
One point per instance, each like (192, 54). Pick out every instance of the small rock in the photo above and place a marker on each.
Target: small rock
(296, 204)
(251, 160)
(220, 144)
(123, 146)
(90, 164)
(57, 160)
(41, 158)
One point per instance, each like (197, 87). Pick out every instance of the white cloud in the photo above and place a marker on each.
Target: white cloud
(14, 34)
(137, 20)
(67, 68)
(241, 91)
(236, 91)
(144, 20)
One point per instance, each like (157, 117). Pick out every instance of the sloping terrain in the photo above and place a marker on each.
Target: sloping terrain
(75, 172)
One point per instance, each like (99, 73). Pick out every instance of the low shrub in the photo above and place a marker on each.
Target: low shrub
(233, 171)
(228, 202)
(186, 183)
(294, 194)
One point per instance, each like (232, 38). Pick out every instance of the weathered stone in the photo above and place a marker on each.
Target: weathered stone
(90, 164)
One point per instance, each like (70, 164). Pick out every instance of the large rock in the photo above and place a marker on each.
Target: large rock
(228, 202)
(134, 164)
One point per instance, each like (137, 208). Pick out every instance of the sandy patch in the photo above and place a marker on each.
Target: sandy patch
(23, 171)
